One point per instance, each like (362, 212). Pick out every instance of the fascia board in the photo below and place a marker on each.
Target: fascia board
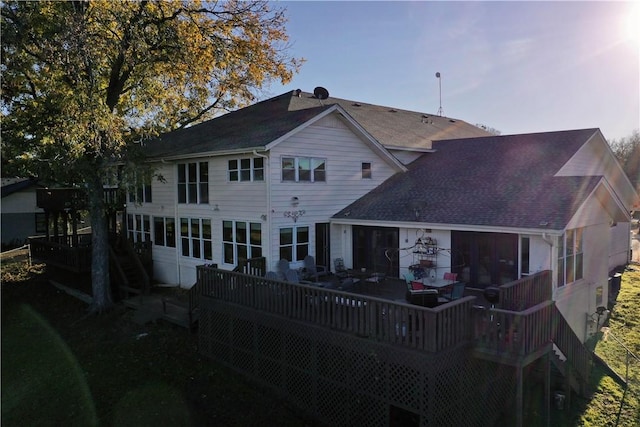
(446, 227)
(204, 154)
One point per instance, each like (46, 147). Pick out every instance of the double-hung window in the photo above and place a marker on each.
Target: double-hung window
(304, 169)
(570, 256)
(164, 231)
(195, 238)
(139, 228)
(247, 169)
(193, 183)
(241, 240)
(294, 243)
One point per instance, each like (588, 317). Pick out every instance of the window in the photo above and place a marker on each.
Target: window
(241, 240)
(140, 190)
(366, 170)
(249, 169)
(195, 238)
(193, 183)
(303, 169)
(164, 232)
(570, 257)
(139, 228)
(41, 223)
(294, 243)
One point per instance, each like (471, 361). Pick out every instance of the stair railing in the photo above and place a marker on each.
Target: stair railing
(578, 356)
(142, 272)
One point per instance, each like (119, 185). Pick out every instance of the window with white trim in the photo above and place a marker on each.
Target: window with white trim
(570, 256)
(164, 231)
(195, 238)
(139, 228)
(294, 243)
(142, 194)
(241, 240)
(193, 183)
(303, 169)
(247, 169)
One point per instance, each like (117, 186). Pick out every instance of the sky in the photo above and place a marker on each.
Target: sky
(517, 67)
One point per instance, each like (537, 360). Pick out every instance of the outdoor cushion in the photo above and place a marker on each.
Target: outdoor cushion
(417, 286)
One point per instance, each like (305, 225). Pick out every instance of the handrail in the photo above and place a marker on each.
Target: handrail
(113, 258)
(526, 292)
(568, 342)
(142, 272)
(74, 258)
(429, 329)
(514, 333)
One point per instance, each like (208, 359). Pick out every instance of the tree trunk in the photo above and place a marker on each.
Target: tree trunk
(100, 283)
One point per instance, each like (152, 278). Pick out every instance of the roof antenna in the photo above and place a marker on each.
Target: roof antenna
(439, 84)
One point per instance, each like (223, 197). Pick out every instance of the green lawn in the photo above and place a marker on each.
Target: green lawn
(611, 403)
(60, 367)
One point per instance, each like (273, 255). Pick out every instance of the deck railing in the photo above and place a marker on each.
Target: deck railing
(514, 333)
(74, 258)
(429, 329)
(526, 292)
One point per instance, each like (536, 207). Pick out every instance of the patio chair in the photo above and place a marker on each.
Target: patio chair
(292, 276)
(457, 292)
(282, 268)
(312, 271)
(341, 270)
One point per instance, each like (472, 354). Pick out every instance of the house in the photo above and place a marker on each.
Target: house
(387, 189)
(21, 217)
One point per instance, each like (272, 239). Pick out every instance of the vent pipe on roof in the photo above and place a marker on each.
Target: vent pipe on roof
(440, 85)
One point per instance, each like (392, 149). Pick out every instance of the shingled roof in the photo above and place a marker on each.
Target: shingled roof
(256, 126)
(12, 185)
(496, 181)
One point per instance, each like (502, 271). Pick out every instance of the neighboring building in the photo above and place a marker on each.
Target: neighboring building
(21, 217)
(297, 175)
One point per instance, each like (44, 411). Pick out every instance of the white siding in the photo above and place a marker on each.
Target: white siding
(577, 300)
(619, 244)
(240, 201)
(596, 158)
(330, 139)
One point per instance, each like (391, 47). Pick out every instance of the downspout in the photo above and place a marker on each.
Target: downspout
(269, 212)
(176, 224)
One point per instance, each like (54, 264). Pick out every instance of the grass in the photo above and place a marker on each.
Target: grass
(63, 367)
(612, 403)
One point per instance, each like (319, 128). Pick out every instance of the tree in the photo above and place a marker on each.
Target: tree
(627, 151)
(84, 81)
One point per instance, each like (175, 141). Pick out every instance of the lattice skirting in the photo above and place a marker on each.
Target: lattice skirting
(345, 380)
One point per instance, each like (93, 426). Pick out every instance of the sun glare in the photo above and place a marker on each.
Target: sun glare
(632, 23)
